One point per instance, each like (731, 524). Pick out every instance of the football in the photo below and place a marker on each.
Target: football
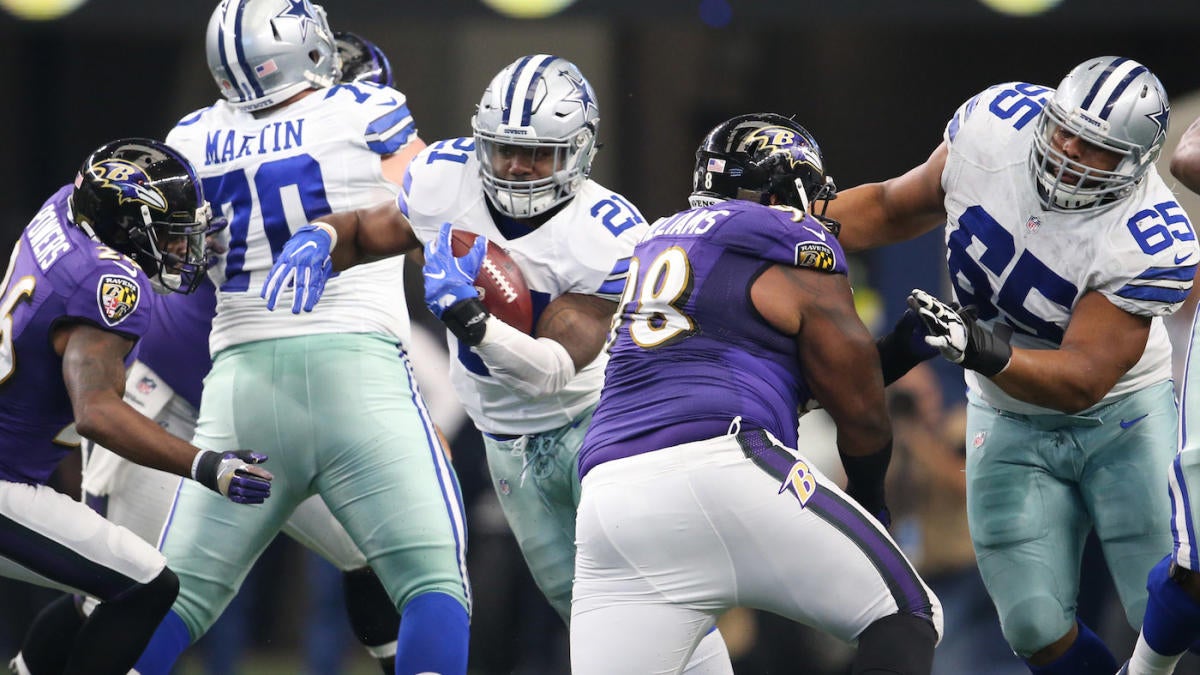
(501, 285)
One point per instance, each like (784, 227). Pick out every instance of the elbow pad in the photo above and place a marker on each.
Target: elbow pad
(532, 366)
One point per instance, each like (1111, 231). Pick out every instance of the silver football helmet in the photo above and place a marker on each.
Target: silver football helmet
(262, 52)
(537, 104)
(1113, 103)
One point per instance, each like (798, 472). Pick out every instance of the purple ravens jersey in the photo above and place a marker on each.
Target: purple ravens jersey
(689, 352)
(56, 275)
(176, 344)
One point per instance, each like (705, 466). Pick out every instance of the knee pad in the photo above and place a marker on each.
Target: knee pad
(158, 592)
(1033, 624)
(900, 644)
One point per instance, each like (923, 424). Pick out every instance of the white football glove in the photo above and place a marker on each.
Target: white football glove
(955, 333)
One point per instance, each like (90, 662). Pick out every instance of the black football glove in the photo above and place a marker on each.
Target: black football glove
(903, 348)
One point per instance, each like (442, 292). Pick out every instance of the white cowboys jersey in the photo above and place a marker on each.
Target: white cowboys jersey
(1026, 266)
(273, 173)
(584, 248)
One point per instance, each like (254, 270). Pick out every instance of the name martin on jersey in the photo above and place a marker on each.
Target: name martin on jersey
(225, 145)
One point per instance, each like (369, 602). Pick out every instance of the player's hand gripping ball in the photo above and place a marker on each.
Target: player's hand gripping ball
(500, 283)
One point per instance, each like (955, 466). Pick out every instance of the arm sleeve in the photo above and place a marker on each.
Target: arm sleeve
(533, 366)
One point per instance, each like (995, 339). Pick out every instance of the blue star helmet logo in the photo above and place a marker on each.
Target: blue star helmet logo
(1161, 118)
(582, 93)
(302, 11)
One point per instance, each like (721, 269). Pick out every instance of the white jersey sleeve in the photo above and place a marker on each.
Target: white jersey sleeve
(270, 174)
(583, 248)
(1027, 267)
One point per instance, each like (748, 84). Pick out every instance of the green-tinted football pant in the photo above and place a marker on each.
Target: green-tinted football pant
(338, 415)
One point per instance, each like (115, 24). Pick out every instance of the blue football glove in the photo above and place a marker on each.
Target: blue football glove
(303, 264)
(234, 475)
(450, 280)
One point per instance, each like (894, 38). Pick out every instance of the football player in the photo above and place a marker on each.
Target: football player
(694, 499)
(1069, 248)
(363, 60)
(76, 300)
(521, 181)
(331, 394)
(1172, 620)
(164, 384)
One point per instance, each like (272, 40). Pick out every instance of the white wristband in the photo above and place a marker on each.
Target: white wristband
(196, 463)
(327, 229)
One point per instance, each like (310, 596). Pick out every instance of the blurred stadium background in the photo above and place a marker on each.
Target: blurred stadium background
(874, 80)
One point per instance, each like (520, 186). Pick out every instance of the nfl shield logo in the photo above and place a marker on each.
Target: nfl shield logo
(979, 439)
(146, 385)
(1033, 224)
(505, 489)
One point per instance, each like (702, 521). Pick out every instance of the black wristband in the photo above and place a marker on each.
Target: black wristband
(865, 475)
(895, 358)
(467, 319)
(206, 469)
(988, 351)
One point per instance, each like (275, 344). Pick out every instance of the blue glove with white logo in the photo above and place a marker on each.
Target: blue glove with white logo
(303, 264)
(450, 291)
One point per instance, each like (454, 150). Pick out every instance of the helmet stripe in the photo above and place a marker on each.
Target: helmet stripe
(1116, 95)
(241, 52)
(512, 86)
(228, 47)
(1087, 102)
(222, 49)
(526, 77)
(1110, 85)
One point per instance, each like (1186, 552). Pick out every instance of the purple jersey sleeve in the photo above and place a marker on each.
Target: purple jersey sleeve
(780, 234)
(57, 276)
(113, 296)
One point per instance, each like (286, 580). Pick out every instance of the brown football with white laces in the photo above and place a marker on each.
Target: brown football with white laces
(501, 284)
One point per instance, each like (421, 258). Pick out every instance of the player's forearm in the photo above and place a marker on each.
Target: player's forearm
(1185, 162)
(863, 218)
(115, 425)
(369, 234)
(1057, 379)
(877, 214)
(531, 366)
